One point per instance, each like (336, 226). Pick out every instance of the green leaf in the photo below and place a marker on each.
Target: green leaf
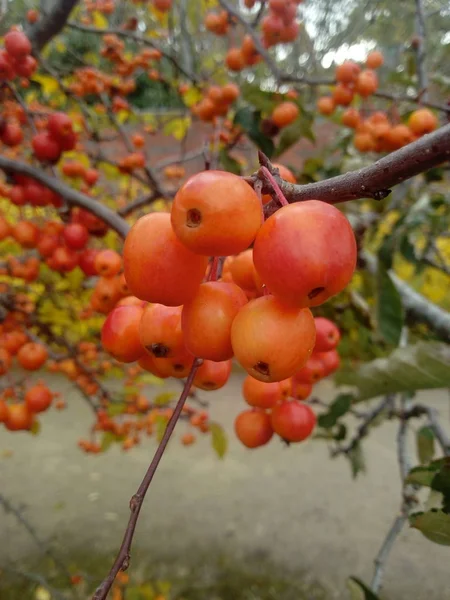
(341, 432)
(337, 409)
(425, 444)
(229, 163)
(386, 251)
(261, 100)
(357, 462)
(150, 379)
(390, 313)
(341, 405)
(434, 524)
(218, 439)
(160, 425)
(359, 590)
(250, 121)
(290, 135)
(35, 428)
(164, 398)
(108, 439)
(421, 366)
(424, 474)
(327, 420)
(117, 408)
(407, 249)
(441, 483)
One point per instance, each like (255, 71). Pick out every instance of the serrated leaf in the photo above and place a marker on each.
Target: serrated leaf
(359, 590)
(218, 439)
(434, 524)
(164, 398)
(425, 444)
(421, 366)
(390, 313)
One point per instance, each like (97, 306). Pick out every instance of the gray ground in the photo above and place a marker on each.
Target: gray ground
(293, 506)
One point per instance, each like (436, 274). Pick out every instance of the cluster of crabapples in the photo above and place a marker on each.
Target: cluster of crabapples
(256, 310)
(374, 131)
(279, 26)
(20, 404)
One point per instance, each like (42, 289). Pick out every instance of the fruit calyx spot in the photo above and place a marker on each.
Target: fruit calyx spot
(158, 350)
(262, 367)
(193, 217)
(315, 292)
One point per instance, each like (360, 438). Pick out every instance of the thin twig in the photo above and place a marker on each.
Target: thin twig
(18, 514)
(363, 429)
(422, 76)
(122, 560)
(385, 549)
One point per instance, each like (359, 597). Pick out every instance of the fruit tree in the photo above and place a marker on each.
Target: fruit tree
(298, 227)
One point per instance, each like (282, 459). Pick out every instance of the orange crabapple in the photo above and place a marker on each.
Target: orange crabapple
(270, 340)
(216, 213)
(207, 318)
(158, 267)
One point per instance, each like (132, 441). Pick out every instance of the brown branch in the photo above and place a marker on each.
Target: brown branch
(50, 24)
(140, 202)
(375, 180)
(123, 557)
(70, 195)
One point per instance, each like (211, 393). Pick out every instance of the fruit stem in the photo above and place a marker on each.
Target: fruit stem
(276, 188)
(212, 276)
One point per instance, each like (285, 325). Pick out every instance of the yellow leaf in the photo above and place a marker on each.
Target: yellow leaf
(30, 97)
(192, 96)
(49, 84)
(122, 116)
(60, 45)
(78, 156)
(99, 20)
(92, 58)
(177, 127)
(42, 594)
